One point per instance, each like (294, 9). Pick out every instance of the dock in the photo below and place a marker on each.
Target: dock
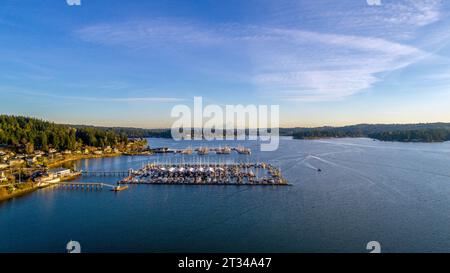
(84, 185)
(202, 150)
(250, 174)
(105, 173)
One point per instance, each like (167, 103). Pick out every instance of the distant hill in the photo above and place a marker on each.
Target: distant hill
(17, 130)
(422, 132)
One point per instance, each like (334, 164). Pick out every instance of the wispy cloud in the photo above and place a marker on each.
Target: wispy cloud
(329, 66)
(291, 62)
(24, 69)
(413, 12)
(32, 93)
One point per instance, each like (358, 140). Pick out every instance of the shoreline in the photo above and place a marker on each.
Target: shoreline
(5, 196)
(371, 138)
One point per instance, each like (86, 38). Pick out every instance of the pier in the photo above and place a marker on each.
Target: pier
(202, 150)
(84, 185)
(105, 173)
(207, 174)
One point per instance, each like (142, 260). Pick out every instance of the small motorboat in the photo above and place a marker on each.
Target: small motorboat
(119, 188)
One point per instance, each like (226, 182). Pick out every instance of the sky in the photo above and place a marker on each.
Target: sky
(128, 63)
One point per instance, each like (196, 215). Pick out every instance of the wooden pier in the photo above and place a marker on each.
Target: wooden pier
(84, 185)
(106, 173)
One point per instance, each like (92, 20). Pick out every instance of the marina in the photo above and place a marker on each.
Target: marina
(207, 174)
(202, 150)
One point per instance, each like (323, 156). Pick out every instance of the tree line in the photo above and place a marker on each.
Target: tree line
(134, 132)
(425, 132)
(431, 135)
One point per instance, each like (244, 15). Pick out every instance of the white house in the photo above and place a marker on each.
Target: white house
(31, 160)
(60, 172)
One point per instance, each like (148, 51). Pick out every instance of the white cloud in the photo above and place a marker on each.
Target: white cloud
(142, 34)
(328, 66)
(34, 93)
(413, 12)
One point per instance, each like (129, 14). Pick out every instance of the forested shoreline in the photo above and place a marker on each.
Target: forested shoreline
(426, 132)
(39, 134)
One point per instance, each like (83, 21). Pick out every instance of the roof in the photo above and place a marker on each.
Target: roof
(57, 170)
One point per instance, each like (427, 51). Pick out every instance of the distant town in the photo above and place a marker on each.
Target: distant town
(21, 171)
(32, 151)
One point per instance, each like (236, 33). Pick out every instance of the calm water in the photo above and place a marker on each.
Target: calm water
(394, 193)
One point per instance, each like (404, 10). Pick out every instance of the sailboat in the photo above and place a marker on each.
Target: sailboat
(203, 151)
(187, 151)
(225, 150)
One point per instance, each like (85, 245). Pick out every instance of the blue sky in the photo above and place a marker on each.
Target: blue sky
(127, 63)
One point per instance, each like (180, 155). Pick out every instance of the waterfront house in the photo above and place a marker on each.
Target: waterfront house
(39, 153)
(31, 160)
(60, 172)
(98, 152)
(52, 151)
(45, 179)
(67, 152)
(16, 162)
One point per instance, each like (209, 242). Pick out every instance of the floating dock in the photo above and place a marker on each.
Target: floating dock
(105, 173)
(207, 174)
(83, 185)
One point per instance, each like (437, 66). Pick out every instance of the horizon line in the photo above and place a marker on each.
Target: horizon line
(279, 127)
